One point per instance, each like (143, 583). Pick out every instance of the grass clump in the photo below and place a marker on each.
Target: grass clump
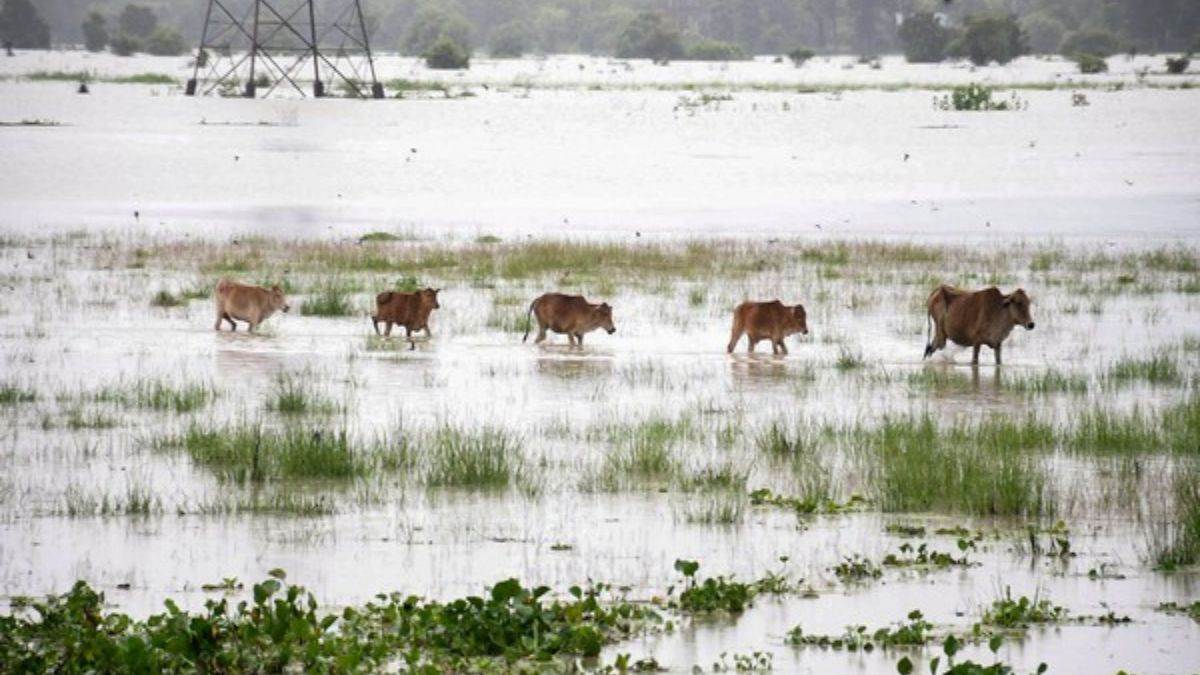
(165, 298)
(252, 454)
(12, 394)
(293, 394)
(162, 395)
(1177, 544)
(1158, 369)
(331, 299)
(489, 458)
(982, 468)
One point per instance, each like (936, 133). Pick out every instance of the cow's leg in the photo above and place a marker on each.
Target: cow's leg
(375, 323)
(232, 323)
(753, 341)
(220, 316)
(733, 339)
(782, 347)
(975, 356)
(571, 339)
(407, 332)
(541, 336)
(428, 333)
(579, 339)
(387, 329)
(996, 349)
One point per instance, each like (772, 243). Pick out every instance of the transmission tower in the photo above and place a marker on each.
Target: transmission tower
(253, 47)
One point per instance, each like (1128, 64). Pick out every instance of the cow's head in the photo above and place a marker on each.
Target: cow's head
(429, 297)
(278, 302)
(801, 319)
(603, 317)
(1017, 304)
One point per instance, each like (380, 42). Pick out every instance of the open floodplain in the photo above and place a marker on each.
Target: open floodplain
(848, 505)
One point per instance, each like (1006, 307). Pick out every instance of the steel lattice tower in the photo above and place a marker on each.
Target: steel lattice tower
(248, 46)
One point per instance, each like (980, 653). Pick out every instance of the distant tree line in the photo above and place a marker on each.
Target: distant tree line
(924, 30)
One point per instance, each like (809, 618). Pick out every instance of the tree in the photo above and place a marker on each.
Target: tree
(715, 50)
(446, 54)
(165, 41)
(799, 55)
(137, 21)
(1102, 43)
(989, 38)
(430, 24)
(95, 32)
(511, 40)
(22, 26)
(125, 45)
(650, 35)
(924, 38)
(1044, 31)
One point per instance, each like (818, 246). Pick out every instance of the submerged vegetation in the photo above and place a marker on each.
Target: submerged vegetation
(283, 629)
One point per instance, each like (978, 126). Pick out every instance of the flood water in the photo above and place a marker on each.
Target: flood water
(635, 164)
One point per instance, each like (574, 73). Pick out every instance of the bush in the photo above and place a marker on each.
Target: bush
(1090, 64)
(125, 45)
(137, 21)
(1178, 66)
(976, 97)
(1045, 32)
(799, 55)
(989, 38)
(1096, 42)
(715, 50)
(165, 42)
(22, 26)
(924, 38)
(511, 40)
(650, 35)
(447, 54)
(95, 32)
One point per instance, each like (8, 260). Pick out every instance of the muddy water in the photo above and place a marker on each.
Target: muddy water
(1115, 175)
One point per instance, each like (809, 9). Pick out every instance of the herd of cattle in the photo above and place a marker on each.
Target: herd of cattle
(967, 318)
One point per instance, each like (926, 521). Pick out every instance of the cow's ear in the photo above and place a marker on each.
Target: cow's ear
(436, 291)
(277, 289)
(1007, 300)
(604, 305)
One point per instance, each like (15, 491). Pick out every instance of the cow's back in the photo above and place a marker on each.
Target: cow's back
(761, 317)
(970, 314)
(241, 299)
(394, 306)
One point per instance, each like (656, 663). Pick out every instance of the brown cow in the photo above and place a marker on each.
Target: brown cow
(975, 318)
(569, 314)
(772, 321)
(410, 310)
(252, 304)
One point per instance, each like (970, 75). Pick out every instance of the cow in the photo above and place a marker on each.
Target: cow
(772, 321)
(974, 318)
(570, 314)
(252, 304)
(410, 310)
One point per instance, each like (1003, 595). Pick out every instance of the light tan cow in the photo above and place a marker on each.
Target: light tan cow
(252, 304)
(569, 314)
(975, 318)
(772, 321)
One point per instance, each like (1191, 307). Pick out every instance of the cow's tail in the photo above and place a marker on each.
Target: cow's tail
(529, 320)
(928, 335)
